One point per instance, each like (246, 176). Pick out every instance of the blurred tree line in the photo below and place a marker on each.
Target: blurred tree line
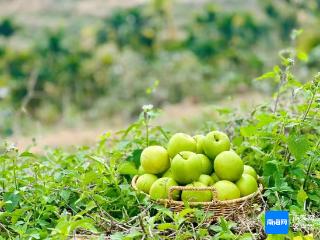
(120, 61)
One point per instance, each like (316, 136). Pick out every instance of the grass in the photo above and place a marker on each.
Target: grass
(60, 193)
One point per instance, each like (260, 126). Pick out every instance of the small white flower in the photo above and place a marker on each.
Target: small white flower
(291, 60)
(11, 147)
(147, 107)
(4, 92)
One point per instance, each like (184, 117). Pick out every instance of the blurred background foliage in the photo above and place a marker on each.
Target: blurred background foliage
(160, 52)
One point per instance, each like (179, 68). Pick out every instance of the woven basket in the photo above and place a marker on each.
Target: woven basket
(229, 209)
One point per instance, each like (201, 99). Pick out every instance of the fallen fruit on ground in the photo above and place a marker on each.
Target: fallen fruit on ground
(247, 185)
(145, 182)
(155, 159)
(228, 166)
(226, 190)
(160, 189)
(196, 195)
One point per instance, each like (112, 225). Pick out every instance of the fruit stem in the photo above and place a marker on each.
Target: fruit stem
(283, 77)
(312, 99)
(309, 168)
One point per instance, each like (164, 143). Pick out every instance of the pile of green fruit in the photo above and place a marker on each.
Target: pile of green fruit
(198, 161)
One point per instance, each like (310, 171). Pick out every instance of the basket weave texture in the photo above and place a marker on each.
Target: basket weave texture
(229, 209)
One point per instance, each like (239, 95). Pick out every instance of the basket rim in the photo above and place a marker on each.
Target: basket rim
(214, 201)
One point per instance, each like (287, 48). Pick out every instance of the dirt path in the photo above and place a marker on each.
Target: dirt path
(89, 135)
(87, 7)
(63, 137)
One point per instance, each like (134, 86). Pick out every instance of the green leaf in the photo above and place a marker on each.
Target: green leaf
(134, 234)
(203, 232)
(164, 211)
(35, 235)
(89, 206)
(246, 236)
(266, 76)
(248, 131)
(165, 226)
(298, 145)
(302, 196)
(224, 110)
(65, 194)
(185, 212)
(295, 33)
(123, 144)
(12, 200)
(135, 157)
(226, 225)
(28, 154)
(257, 150)
(298, 171)
(85, 224)
(127, 168)
(270, 168)
(314, 197)
(264, 119)
(117, 236)
(302, 56)
(275, 237)
(276, 69)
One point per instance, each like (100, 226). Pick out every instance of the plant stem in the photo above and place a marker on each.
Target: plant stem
(318, 143)
(310, 103)
(8, 232)
(309, 168)
(277, 196)
(14, 172)
(146, 120)
(142, 226)
(3, 174)
(307, 174)
(163, 132)
(283, 77)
